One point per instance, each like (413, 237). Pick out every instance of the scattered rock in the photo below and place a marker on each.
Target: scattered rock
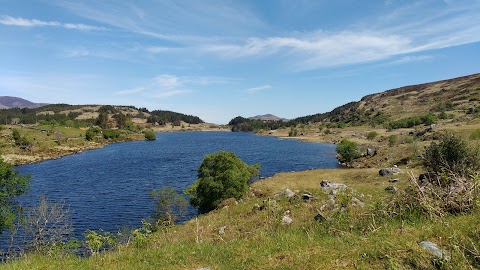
(357, 202)
(331, 187)
(307, 197)
(204, 268)
(389, 171)
(433, 249)
(222, 230)
(391, 189)
(286, 192)
(371, 151)
(320, 218)
(286, 220)
(394, 180)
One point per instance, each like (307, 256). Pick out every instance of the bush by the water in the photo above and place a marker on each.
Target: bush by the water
(348, 150)
(220, 176)
(149, 135)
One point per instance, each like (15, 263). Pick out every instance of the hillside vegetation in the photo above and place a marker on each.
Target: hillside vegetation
(51, 131)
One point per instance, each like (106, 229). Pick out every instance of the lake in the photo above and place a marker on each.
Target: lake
(109, 188)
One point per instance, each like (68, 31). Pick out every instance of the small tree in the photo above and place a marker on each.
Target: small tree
(47, 224)
(12, 185)
(169, 205)
(220, 176)
(149, 135)
(348, 150)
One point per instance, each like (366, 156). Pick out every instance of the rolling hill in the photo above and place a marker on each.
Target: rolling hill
(7, 102)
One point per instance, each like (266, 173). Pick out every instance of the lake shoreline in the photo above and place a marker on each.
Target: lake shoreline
(60, 151)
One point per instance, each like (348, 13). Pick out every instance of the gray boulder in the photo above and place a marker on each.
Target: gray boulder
(331, 187)
(433, 249)
(389, 171)
(391, 189)
(371, 151)
(286, 193)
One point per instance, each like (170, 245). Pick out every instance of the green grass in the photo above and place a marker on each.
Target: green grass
(257, 239)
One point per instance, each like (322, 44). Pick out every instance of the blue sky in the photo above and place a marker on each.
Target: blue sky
(221, 59)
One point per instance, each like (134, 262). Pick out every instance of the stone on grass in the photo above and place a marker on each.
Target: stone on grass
(332, 187)
(307, 197)
(391, 189)
(433, 249)
(286, 220)
(286, 192)
(320, 218)
(389, 171)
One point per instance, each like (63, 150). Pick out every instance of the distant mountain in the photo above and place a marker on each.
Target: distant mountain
(268, 117)
(7, 102)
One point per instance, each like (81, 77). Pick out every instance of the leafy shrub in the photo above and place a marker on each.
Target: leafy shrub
(392, 140)
(442, 115)
(169, 205)
(149, 135)
(293, 132)
(111, 134)
(327, 131)
(452, 156)
(348, 150)
(372, 135)
(427, 119)
(90, 134)
(97, 241)
(220, 176)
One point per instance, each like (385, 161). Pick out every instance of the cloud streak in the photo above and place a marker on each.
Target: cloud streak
(22, 22)
(167, 85)
(258, 89)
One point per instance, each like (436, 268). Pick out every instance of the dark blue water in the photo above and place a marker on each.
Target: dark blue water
(109, 188)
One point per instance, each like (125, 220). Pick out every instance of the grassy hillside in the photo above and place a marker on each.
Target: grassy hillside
(459, 97)
(240, 237)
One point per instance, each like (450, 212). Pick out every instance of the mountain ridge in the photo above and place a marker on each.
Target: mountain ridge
(268, 117)
(7, 102)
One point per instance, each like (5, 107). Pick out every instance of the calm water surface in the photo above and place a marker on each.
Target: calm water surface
(109, 188)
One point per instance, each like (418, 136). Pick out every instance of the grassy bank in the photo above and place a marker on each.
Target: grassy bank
(240, 237)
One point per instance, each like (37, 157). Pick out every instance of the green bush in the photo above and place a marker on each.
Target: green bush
(149, 135)
(452, 156)
(220, 176)
(111, 134)
(372, 135)
(348, 150)
(392, 140)
(293, 132)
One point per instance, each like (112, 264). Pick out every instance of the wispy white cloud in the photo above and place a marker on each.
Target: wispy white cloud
(412, 58)
(258, 88)
(22, 22)
(167, 85)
